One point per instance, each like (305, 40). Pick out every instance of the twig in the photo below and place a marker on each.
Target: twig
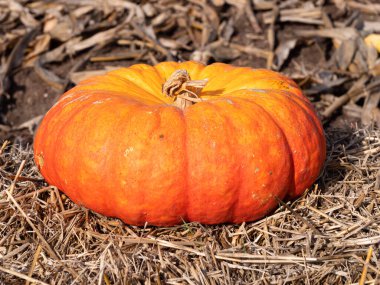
(354, 91)
(326, 216)
(252, 18)
(18, 173)
(365, 267)
(4, 145)
(34, 262)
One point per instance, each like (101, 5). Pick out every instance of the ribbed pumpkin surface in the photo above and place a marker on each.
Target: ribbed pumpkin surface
(118, 146)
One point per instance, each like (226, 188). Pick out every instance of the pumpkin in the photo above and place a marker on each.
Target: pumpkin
(181, 142)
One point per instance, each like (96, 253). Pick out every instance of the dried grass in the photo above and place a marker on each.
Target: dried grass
(329, 236)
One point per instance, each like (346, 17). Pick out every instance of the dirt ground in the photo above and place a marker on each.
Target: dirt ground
(329, 236)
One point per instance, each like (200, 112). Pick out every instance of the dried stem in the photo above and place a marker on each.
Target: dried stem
(185, 90)
(365, 267)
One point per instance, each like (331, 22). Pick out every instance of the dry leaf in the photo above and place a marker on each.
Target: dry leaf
(370, 8)
(218, 3)
(40, 45)
(149, 10)
(160, 19)
(15, 59)
(282, 52)
(370, 108)
(371, 26)
(24, 15)
(48, 76)
(345, 53)
(77, 13)
(325, 86)
(173, 44)
(63, 30)
(339, 34)
(202, 56)
(50, 23)
(225, 53)
(359, 64)
(226, 29)
(301, 15)
(98, 38)
(251, 50)
(60, 52)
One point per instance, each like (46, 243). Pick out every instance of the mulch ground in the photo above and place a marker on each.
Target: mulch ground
(331, 235)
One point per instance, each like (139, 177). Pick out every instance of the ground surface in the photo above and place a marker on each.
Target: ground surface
(329, 236)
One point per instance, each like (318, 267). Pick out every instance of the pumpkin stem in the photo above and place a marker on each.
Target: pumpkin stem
(185, 90)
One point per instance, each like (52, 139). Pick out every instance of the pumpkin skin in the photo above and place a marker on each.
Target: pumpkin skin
(116, 145)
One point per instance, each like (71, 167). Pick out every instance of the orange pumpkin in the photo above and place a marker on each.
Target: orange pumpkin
(148, 144)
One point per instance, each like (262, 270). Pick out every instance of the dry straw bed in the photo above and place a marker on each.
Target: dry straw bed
(331, 235)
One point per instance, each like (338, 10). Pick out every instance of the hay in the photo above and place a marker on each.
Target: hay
(322, 238)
